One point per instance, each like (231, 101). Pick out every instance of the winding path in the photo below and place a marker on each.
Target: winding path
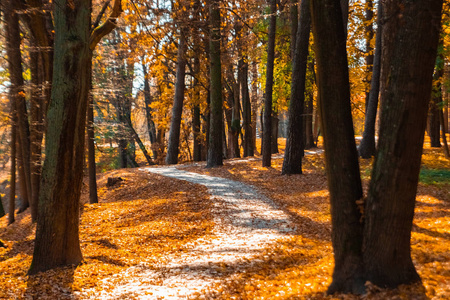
(246, 223)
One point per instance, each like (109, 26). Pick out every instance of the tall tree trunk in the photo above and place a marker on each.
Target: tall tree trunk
(341, 157)
(93, 196)
(37, 102)
(368, 32)
(309, 111)
(267, 133)
(12, 180)
(274, 138)
(17, 93)
(148, 112)
(2, 210)
(366, 148)
(444, 137)
(24, 196)
(436, 99)
(215, 151)
(293, 18)
(254, 103)
(177, 110)
(57, 234)
(410, 39)
(246, 111)
(345, 13)
(292, 163)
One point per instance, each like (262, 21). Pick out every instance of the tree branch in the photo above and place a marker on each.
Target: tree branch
(99, 32)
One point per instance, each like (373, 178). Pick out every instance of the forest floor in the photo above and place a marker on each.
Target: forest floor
(152, 236)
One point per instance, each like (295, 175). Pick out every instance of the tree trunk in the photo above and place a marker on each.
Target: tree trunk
(254, 103)
(148, 112)
(444, 137)
(341, 157)
(436, 99)
(274, 138)
(57, 233)
(366, 148)
(37, 102)
(17, 93)
(267, 133)
(410, 39)
(246, 111)
(292, 163)
(2, 210)
(12, 180)
(368, 32)
(345, 13)
(177, 110)
(293, 18)
(24, 203)
(93, 196)
(309, 111)
(215, 151)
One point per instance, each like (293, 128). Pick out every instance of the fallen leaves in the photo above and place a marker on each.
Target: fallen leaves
(139, 221)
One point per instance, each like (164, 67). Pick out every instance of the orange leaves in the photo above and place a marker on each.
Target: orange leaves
(138, 222)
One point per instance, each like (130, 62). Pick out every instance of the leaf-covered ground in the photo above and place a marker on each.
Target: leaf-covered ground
(146, 217)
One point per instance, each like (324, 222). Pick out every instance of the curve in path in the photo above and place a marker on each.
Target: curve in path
(246, 222)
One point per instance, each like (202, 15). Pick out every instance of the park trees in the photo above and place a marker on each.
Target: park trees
(377, 246)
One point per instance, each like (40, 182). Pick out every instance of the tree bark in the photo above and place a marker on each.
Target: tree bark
(444, 137)
(57, 233)
(368, 32)
(267, 133)
(12, 180)
(17, 93)
(215, 151)
(410, 39)
(148, 112)
(177, 110)
(436, 99)
(93, 196)
(366, 148)
(292, 163)
(341, 157)
(246, 111)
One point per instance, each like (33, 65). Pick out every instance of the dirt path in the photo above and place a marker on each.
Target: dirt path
(246, 223)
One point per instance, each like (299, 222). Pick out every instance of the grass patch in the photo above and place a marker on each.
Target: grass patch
(434, 176)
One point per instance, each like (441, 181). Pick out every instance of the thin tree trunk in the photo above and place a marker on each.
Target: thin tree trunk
(267, 133)
(177, 110)
(148, 112)
(93, 196)
(215, 151)
(274, 139)
(246, 111)
(12, 180)
(2, 210)
(341, 157)
(57, 233)
(436, 99)
(368, 31)
(292, 163)
(25, 202)
(410, 40)
(254, 103)
(17, 93)
(444, 137)
(366, 148)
